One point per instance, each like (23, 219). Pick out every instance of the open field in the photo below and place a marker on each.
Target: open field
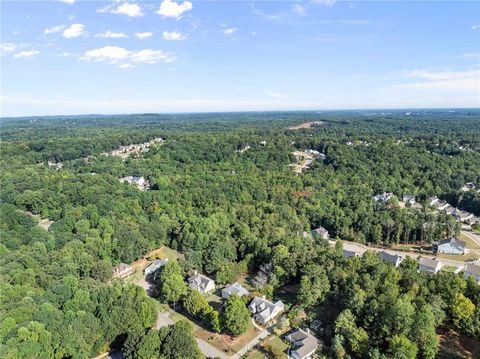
(305, 125)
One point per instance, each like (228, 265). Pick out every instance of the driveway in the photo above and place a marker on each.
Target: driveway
(163, 320)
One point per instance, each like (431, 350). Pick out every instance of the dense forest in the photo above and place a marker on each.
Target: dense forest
(231, 212)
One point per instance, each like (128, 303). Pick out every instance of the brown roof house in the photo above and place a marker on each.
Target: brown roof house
(122, 271)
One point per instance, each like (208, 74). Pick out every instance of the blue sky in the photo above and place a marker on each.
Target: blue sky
(80, 57)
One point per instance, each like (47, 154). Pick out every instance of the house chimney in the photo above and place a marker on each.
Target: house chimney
(195, 272)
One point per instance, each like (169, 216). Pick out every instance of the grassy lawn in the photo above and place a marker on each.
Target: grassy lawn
(449, 269)
(165, 252)
(215, 299)
(470, 242)
(457, 257)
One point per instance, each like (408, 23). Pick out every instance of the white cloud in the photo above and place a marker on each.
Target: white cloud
(75, 30)
(230, 31)
(299, 9)
(28, 54)
(53, 29)
(70, 2)
(173, 36)
(442, 80)
(275, 94)
(476, 27)
(470, 56)
(124, 8)
(169, 8)
(124, 58)
(143, 35)
(328, 3)
(112, 35)
(7, 47)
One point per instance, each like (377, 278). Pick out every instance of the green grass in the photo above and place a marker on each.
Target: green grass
(470, 242)
(450, 269)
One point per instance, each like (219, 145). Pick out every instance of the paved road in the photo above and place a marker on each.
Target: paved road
(210, 351)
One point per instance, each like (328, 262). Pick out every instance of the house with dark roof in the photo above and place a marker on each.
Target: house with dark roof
(449, 246)
(395, 259)
(468, 187)
(320, 232)
(350, 253)
(303, 345)
(265, 311)
(122, 271)
(429, 265)
(154, 266)
(472, 269)
(234, 288)
(201, 283)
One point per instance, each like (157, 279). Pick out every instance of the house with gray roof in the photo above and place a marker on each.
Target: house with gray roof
(429, 265)
(201, 283)
(395, 259)
(303, 344)
(441, 205)
(234, 288)
(320, 232)
(383, 198)
(348, 253)
(154, 266)
(461, 216)
(449, 209)
(469, 186)
(472, 220)
(450, 246)
(265, 311)
(432, 200)
(409, 198)
(472, 269)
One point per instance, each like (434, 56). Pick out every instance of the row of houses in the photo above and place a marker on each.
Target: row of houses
(387, 196)
(460, 215)
(125, 151)
(425, 264)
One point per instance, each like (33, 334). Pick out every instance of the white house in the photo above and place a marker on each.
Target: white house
(303, 344)
(383, 198)
(429, 265)
(392, 258)
(320, 232)
(154, 266)
(409, 198)
(265, 311)
(472, 269)
(201, 283)
(234, 288)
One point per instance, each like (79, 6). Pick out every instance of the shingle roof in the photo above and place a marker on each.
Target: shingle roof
(235, 288)
(304, 343)
(472, 268)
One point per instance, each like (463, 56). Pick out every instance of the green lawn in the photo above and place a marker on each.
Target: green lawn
(470, 242)
(449, 269)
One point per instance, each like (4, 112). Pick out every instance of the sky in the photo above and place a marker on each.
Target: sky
(65, 57)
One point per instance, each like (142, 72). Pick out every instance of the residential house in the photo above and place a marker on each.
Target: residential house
(449, 246)
(392, 258)
(303, 345)
(383, 198)
(201, 283)
(472, 269)
(154, 266)
(265, 311)
(429, 265)
(139, 181)
(320, 232)
(449, 209)
(468, 187)
(432, 200)
(234, 288)
(472, 220)
(462, 216)
(348, 253)
(441, 205)
(122, 271)
(409, 198)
